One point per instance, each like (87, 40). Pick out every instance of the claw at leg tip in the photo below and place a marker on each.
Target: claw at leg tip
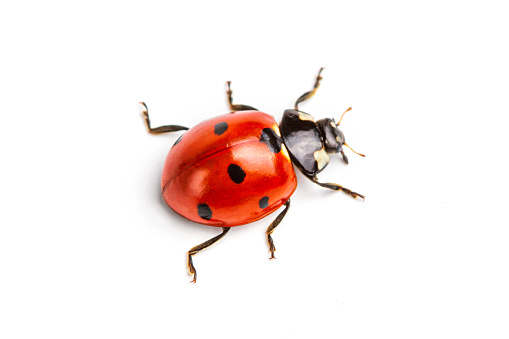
(144, 109)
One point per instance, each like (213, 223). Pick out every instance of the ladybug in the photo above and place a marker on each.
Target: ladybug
(238, 168)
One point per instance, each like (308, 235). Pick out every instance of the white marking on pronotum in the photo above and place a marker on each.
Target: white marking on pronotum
(284, 152)
(275, 127)
(305, 116)
(322, 158)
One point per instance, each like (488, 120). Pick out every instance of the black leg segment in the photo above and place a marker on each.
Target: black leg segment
(233, 107)
(200, 247)
(309, 95)
(336, 187)
(272, 226)
(160, 129)
(345, 158)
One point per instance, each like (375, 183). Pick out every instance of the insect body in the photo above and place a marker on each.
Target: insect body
(230, 170)
(238, 168)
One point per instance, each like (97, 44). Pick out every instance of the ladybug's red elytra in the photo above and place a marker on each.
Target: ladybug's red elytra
(238, 168)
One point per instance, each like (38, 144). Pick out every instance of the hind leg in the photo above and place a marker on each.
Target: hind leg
(160, 129)
(200, 247)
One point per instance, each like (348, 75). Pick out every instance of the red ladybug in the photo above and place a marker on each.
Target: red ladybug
(237, 168)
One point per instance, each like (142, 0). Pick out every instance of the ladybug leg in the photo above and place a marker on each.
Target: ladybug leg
(272, 226)
(309, 95)
(337, 187)
(160, 129)
(233, 107)
(200, 247)
(345, 158)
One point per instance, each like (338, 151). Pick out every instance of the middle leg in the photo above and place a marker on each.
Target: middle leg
(235, 107)
(272, 226)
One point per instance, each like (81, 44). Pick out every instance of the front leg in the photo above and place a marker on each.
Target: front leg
(337, 187)
(309, 95)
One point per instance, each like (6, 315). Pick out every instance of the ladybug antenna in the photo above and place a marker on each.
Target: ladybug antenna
(345, 144)
(343, 115)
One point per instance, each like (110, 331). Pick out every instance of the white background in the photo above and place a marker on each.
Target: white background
(88, 249)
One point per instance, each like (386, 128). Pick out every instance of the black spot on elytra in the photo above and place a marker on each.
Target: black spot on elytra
(264, 202)
(204, 211)
(220, 128)
(271, 139)
(178, 140)
(236, 173)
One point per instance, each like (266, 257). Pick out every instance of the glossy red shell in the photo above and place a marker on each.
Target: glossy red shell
(196, 171)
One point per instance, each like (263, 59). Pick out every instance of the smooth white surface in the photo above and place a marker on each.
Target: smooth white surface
(88, 248)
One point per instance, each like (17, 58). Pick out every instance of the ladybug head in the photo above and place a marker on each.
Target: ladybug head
(332, 136)
(310, 143)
